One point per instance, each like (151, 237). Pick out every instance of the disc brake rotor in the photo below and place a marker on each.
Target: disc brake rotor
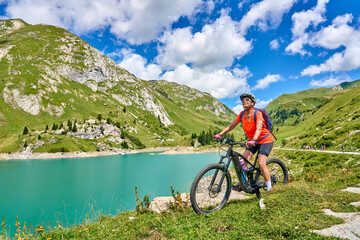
(212, 192)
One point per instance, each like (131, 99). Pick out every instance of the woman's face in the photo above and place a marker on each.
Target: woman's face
(246, 102)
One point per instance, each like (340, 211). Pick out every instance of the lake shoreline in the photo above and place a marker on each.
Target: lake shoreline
(27, 155)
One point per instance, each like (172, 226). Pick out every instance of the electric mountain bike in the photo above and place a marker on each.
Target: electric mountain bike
(212, 186)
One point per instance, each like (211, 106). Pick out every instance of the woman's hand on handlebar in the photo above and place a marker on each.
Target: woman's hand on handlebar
(217, 137)
(250, 143)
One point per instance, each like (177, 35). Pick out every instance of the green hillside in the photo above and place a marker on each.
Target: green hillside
(49, 76)
(333, 122)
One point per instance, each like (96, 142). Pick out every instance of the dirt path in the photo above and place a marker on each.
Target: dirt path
(350, 229)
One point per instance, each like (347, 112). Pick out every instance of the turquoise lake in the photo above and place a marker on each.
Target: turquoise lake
(41, 192)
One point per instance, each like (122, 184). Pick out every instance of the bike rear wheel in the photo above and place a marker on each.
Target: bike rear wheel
(204, 196)
(278, 172)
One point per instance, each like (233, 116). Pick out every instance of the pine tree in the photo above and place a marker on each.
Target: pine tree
(124, 145)
(54, 127)
(207, 138)
(74, 128)
(39, 137)
(69, 124)
(26, 130)
(124, 110)
(99, 117)
(25, 144)
(202, 138)
(46, 128)
(61, 126)
(108, 121)
(122, 135)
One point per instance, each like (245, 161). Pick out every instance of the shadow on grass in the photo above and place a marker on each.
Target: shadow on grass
(4, 41)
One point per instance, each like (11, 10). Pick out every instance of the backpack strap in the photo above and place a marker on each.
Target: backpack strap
(242, 115)
(263, 137)
(254, 116)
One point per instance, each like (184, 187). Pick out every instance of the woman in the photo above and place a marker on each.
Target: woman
(261, 139)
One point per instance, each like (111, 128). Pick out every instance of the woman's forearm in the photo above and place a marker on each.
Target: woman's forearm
(257, 133)
(258, 130)
(229, 128)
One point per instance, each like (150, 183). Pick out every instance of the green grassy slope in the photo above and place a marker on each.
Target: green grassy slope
(48, 75)
(335, 124)
(290, 109)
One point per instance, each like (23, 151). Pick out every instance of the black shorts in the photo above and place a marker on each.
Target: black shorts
(264, 149)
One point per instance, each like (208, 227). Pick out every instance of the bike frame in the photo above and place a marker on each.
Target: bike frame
(250, 184)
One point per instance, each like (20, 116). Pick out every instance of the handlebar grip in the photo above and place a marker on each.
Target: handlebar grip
(243, 144)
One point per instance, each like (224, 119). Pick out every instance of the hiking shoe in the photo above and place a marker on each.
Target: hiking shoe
(236, 187)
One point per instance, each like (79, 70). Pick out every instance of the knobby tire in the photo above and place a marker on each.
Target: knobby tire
(203, 198)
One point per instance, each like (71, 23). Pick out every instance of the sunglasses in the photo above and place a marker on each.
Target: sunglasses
(246, 100)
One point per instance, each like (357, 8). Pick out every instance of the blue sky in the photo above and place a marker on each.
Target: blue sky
(223, 47)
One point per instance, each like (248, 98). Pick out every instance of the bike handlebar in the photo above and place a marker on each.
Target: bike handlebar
(229, 141)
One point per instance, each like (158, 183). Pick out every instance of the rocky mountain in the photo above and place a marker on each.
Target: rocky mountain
(49, 76)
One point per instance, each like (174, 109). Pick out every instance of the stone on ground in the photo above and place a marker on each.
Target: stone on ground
(160, 204)
(350, 229)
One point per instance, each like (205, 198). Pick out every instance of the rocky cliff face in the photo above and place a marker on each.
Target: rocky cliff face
(48, 71)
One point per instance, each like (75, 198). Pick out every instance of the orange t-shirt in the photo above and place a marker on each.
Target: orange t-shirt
(249, 126)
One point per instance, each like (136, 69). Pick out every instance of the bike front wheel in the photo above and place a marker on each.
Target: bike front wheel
(210, 189)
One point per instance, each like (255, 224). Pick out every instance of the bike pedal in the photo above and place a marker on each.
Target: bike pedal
(262, 184)
(236, 187)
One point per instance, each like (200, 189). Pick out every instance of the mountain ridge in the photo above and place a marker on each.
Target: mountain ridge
(330, 119)
(48, 75)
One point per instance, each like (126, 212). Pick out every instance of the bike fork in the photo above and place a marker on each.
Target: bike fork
(222, 177)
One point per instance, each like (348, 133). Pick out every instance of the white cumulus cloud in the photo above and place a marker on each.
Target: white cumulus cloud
(262, 103)
(264, 83)
(297, 46)
(330, 81)
(138, 66)
(274, 44)
(265, 14)
(337, 35)
(137, 21)
(238, 108)
(302, 21)
(216, 46)
(219, 83)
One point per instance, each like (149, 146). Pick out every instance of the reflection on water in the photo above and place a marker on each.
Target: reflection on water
(38, 191)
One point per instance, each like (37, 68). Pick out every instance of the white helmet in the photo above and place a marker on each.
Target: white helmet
(249, 95)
